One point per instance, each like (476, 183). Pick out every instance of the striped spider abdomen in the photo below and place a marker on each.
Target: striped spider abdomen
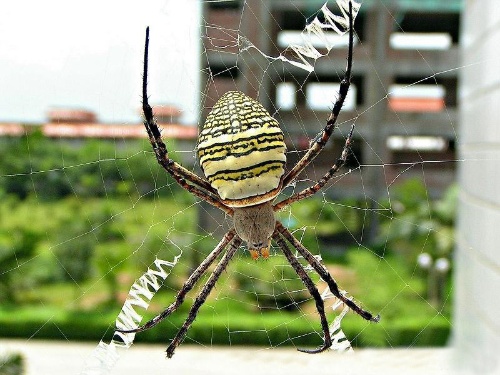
(242, 151)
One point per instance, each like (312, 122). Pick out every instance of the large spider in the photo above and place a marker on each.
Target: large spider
(242, 154)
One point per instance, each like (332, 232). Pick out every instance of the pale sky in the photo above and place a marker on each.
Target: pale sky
(88, 55)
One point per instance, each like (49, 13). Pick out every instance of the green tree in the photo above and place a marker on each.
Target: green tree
(51, 169)
(12, 364)
(17, 249)
(421, 233)
(418, 224)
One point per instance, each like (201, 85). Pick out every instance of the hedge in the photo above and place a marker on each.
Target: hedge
(270, 329)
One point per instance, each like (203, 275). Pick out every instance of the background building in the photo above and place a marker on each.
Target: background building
(403, 94)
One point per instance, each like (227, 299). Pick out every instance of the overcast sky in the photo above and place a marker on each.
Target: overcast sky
(88, 54)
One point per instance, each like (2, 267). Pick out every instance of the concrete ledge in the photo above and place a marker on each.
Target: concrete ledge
(50, 357)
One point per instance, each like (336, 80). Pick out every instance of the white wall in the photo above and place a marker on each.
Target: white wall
(477, 272)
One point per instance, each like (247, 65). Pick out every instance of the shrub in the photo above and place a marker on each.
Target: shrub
(12, 364)
(271, 283)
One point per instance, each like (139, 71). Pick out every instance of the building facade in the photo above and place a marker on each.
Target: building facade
(403, 94)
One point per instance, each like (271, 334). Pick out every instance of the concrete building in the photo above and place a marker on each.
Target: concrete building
(403, 93)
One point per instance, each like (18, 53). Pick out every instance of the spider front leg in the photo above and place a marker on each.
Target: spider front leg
(320, 305)
(207, 197)
(325, 275)
(321, 140)
(198, 185)
(322, 182)
(200, 300)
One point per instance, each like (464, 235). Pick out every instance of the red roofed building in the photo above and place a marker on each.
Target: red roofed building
(78, 123)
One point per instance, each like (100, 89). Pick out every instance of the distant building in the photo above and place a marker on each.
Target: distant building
(68, 123)
(79, 123)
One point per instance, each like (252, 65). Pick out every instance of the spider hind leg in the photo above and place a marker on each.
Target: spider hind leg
(325, 275)
(201, 298)
(320, 305)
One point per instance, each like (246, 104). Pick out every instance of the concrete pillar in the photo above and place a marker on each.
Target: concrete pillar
(477, 260)
(379, 24)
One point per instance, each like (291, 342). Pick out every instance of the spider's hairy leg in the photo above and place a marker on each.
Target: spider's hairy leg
(321, 182)
(200, 186)
(200, 299)
(188, 285)
(207, 197)
(324, 274)
(320, 141)
(320, 305)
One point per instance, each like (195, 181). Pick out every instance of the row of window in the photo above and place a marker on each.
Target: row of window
(406, 94)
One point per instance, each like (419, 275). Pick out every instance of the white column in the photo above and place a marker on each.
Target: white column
(477, 260)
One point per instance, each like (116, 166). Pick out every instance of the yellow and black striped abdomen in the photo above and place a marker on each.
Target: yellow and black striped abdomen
(241, 151)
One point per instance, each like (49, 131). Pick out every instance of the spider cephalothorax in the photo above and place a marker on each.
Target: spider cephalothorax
(255, 225)
(242, 153)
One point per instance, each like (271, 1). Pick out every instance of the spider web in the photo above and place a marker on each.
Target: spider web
(165, 238)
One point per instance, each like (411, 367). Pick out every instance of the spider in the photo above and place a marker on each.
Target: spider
(242, 154)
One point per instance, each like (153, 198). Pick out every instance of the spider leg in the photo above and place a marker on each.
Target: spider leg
(324, 274)
(320, 305)
(207, 197)
(200, 299)
(188, 285)
(321, 182)
(198, 186)
(323, 137)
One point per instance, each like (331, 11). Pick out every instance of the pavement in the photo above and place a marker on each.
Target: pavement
(59, 357)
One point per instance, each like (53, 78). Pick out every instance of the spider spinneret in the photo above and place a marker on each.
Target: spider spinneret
(242, 154)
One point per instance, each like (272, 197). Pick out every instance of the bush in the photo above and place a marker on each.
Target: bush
(12, 364)
(51, 169)
(271, 283)
(418, 224)
(18, 245)
(224, 322)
